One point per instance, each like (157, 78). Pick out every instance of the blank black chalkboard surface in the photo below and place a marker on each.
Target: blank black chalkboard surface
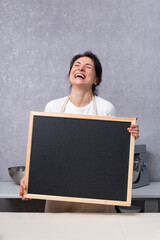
(79, 158)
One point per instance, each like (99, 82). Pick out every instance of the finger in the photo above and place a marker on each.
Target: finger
(136, 137)
(21, 193)
(134, 125)
(135, 134)
(24, 186)
(26, 199)
(133, 131)
(22, 181)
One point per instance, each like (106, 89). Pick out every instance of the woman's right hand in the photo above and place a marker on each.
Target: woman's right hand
(22, 188)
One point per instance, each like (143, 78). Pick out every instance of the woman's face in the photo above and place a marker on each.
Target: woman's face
(83, 73)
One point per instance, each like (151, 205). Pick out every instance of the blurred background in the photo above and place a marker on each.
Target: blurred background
(39, 38)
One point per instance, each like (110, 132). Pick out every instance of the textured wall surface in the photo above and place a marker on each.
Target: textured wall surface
(38, 39)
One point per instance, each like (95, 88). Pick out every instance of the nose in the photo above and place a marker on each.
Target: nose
(81, 67)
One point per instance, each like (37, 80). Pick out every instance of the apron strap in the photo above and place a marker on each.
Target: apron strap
(94, 106)
(67, 100)
(64, 104)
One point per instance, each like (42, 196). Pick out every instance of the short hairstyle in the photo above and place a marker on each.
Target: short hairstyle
(97, 64)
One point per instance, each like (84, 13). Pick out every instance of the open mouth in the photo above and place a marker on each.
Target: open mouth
(79, 75)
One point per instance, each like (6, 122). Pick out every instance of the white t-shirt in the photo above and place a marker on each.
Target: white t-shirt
(104, 108)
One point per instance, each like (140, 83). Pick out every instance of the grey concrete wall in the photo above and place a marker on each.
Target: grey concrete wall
(38, 39)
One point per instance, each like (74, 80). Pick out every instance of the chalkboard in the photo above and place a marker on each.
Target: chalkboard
(79, 158)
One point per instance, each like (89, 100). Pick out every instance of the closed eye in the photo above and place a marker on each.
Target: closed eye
(88, 65)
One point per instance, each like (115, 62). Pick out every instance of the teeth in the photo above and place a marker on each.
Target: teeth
(79, 75)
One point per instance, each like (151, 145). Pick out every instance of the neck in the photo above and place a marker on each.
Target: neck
(80, 98)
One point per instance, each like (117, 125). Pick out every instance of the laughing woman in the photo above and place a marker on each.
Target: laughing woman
(85, 75)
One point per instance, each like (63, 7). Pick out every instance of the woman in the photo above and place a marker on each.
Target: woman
(85, 75)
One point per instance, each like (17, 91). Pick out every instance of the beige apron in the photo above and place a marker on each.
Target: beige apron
(59, 206)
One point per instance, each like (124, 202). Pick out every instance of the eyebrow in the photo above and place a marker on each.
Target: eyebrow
(89, 64)
(86, 64)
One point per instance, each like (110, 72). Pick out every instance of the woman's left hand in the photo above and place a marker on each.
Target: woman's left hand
(134, 130)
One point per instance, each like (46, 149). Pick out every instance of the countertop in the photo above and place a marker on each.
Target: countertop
(11, 190)
(59, 226)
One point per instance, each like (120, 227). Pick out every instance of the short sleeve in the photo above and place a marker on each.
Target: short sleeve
(112, 111)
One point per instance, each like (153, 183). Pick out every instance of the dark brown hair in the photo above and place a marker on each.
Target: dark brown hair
(97, 64)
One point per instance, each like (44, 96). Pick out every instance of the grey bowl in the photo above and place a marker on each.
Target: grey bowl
(16, 173)
(132, 209)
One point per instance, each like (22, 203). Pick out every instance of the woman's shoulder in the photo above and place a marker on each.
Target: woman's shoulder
(55, 105)
(102, 100)
(105, 108)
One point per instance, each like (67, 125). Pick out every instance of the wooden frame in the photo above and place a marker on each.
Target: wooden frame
(68, 117)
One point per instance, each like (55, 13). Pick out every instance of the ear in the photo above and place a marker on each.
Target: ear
(96, 81)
